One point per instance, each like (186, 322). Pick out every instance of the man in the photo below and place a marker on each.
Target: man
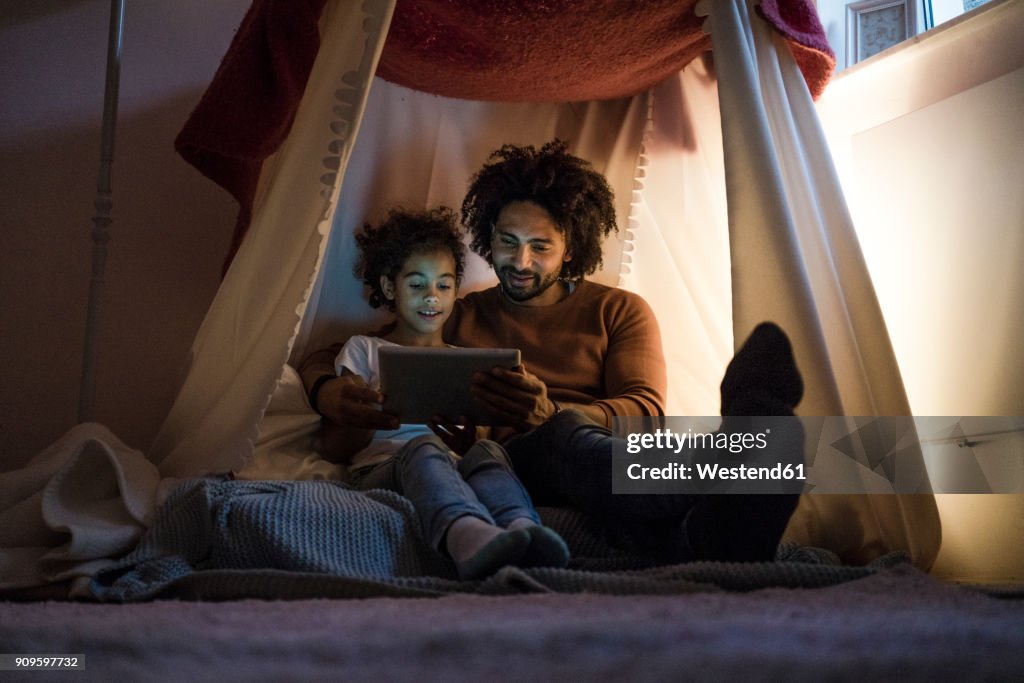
(539, 218)
(590, 353)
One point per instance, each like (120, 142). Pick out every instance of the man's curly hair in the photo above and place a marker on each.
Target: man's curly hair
(577, 197)
(383, 250)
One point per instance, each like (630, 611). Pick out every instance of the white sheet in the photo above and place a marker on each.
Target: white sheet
(796, 260)
(287, 445)
(245, 339)
(74, 508)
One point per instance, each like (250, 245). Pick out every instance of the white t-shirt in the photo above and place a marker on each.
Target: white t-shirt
(359, 356)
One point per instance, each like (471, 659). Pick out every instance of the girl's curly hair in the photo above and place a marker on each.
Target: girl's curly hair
(383, 250)
(577, 197)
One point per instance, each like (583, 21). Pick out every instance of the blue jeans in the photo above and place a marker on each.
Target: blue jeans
(568, 461)
(443, 488)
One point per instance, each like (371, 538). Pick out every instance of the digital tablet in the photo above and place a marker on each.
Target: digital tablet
(419, 382)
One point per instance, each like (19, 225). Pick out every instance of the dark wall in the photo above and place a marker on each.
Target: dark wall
(171, 226)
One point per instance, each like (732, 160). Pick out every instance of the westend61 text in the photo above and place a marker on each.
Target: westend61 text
(716, 472)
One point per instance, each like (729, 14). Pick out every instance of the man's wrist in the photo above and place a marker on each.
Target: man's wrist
(556, 407)
(314, 391)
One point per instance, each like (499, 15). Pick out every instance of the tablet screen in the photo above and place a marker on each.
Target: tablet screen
(419, 382)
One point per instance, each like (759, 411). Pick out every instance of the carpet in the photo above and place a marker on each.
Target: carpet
(896, 623)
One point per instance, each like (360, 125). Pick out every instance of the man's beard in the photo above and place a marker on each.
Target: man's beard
(520, 294)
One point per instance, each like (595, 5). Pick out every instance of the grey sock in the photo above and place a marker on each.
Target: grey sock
(504, 548)
(547, 549)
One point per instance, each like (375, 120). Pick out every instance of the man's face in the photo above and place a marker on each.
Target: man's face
(527, 252)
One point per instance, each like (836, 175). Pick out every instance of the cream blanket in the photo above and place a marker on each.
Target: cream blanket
(84, 502)
(74, 508)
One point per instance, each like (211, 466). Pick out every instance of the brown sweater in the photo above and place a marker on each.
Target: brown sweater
(599, 345)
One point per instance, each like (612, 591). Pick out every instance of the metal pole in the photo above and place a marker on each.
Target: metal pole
(103, 204)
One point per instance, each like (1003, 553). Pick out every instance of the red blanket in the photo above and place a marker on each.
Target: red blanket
(532, 50)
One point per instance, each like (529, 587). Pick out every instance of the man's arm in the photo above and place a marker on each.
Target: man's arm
(341, 442)
(635, 377)
(345, 401)
(318, 364)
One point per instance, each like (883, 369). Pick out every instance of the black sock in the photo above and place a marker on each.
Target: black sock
(763, 371)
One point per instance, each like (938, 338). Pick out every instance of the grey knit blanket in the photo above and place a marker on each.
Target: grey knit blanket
(217, 540)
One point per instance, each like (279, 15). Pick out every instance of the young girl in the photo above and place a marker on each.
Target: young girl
(474, 508)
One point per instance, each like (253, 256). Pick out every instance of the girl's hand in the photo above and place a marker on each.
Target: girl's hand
(458, 436)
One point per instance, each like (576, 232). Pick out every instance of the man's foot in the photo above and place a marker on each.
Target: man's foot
(762, 376)
(762, 379)
(737, 527)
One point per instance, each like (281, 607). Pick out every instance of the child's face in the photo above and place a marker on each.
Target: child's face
(424, 292)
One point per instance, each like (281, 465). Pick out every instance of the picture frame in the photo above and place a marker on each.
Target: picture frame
(876, 25)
